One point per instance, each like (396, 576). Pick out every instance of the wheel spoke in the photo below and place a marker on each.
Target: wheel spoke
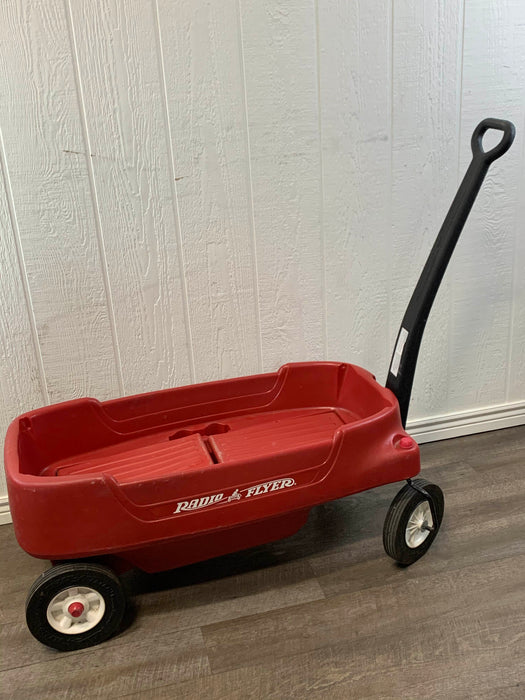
(91, 615)
(65, 623)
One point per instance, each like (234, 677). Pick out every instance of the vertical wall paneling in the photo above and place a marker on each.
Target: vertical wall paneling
(280, 55)
(197, 189)
(123, 102)
(45, 149)
(204, 87)
(493, 85)
(22, 383)
(355, 79)
(516, 179)
(426, 88)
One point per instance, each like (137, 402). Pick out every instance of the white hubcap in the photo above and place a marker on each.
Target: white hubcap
(417, 527)
(75, 610)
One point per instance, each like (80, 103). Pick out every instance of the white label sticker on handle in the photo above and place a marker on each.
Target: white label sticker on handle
(398, 353)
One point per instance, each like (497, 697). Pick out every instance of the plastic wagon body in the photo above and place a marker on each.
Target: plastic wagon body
(171, 477)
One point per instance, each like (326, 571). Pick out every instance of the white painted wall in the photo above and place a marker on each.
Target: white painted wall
(199, 189)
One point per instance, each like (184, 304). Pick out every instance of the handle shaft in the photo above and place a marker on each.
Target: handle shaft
(404, 359)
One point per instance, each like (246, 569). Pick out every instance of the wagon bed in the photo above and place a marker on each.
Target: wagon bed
(198, 448)
(201, 459)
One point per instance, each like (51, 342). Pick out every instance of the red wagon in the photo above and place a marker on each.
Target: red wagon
(177, 476)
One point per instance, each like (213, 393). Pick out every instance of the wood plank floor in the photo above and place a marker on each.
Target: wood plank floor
(324, 614)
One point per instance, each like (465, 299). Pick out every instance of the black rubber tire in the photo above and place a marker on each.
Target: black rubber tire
(398, 516)
(52, 582)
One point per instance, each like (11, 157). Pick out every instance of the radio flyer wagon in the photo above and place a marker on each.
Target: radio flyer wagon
(171, 477)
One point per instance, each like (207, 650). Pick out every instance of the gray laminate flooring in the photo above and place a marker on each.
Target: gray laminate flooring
(324, 614)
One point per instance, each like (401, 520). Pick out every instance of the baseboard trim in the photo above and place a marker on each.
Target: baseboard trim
(428, 430)
(467, 422)
(5, 513)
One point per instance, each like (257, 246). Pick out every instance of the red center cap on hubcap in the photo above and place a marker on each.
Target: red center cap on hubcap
(75, 609)
(406, 443)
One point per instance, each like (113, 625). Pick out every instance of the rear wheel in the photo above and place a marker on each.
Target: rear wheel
(73, 606)
(410, 527)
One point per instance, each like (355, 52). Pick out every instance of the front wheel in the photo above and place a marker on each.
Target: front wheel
(73, 606)
(410, 528)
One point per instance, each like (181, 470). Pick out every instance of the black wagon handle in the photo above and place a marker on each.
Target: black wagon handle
(406, 350)
(498, 150)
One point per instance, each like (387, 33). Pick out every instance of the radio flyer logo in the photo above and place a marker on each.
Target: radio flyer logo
(237, 495)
